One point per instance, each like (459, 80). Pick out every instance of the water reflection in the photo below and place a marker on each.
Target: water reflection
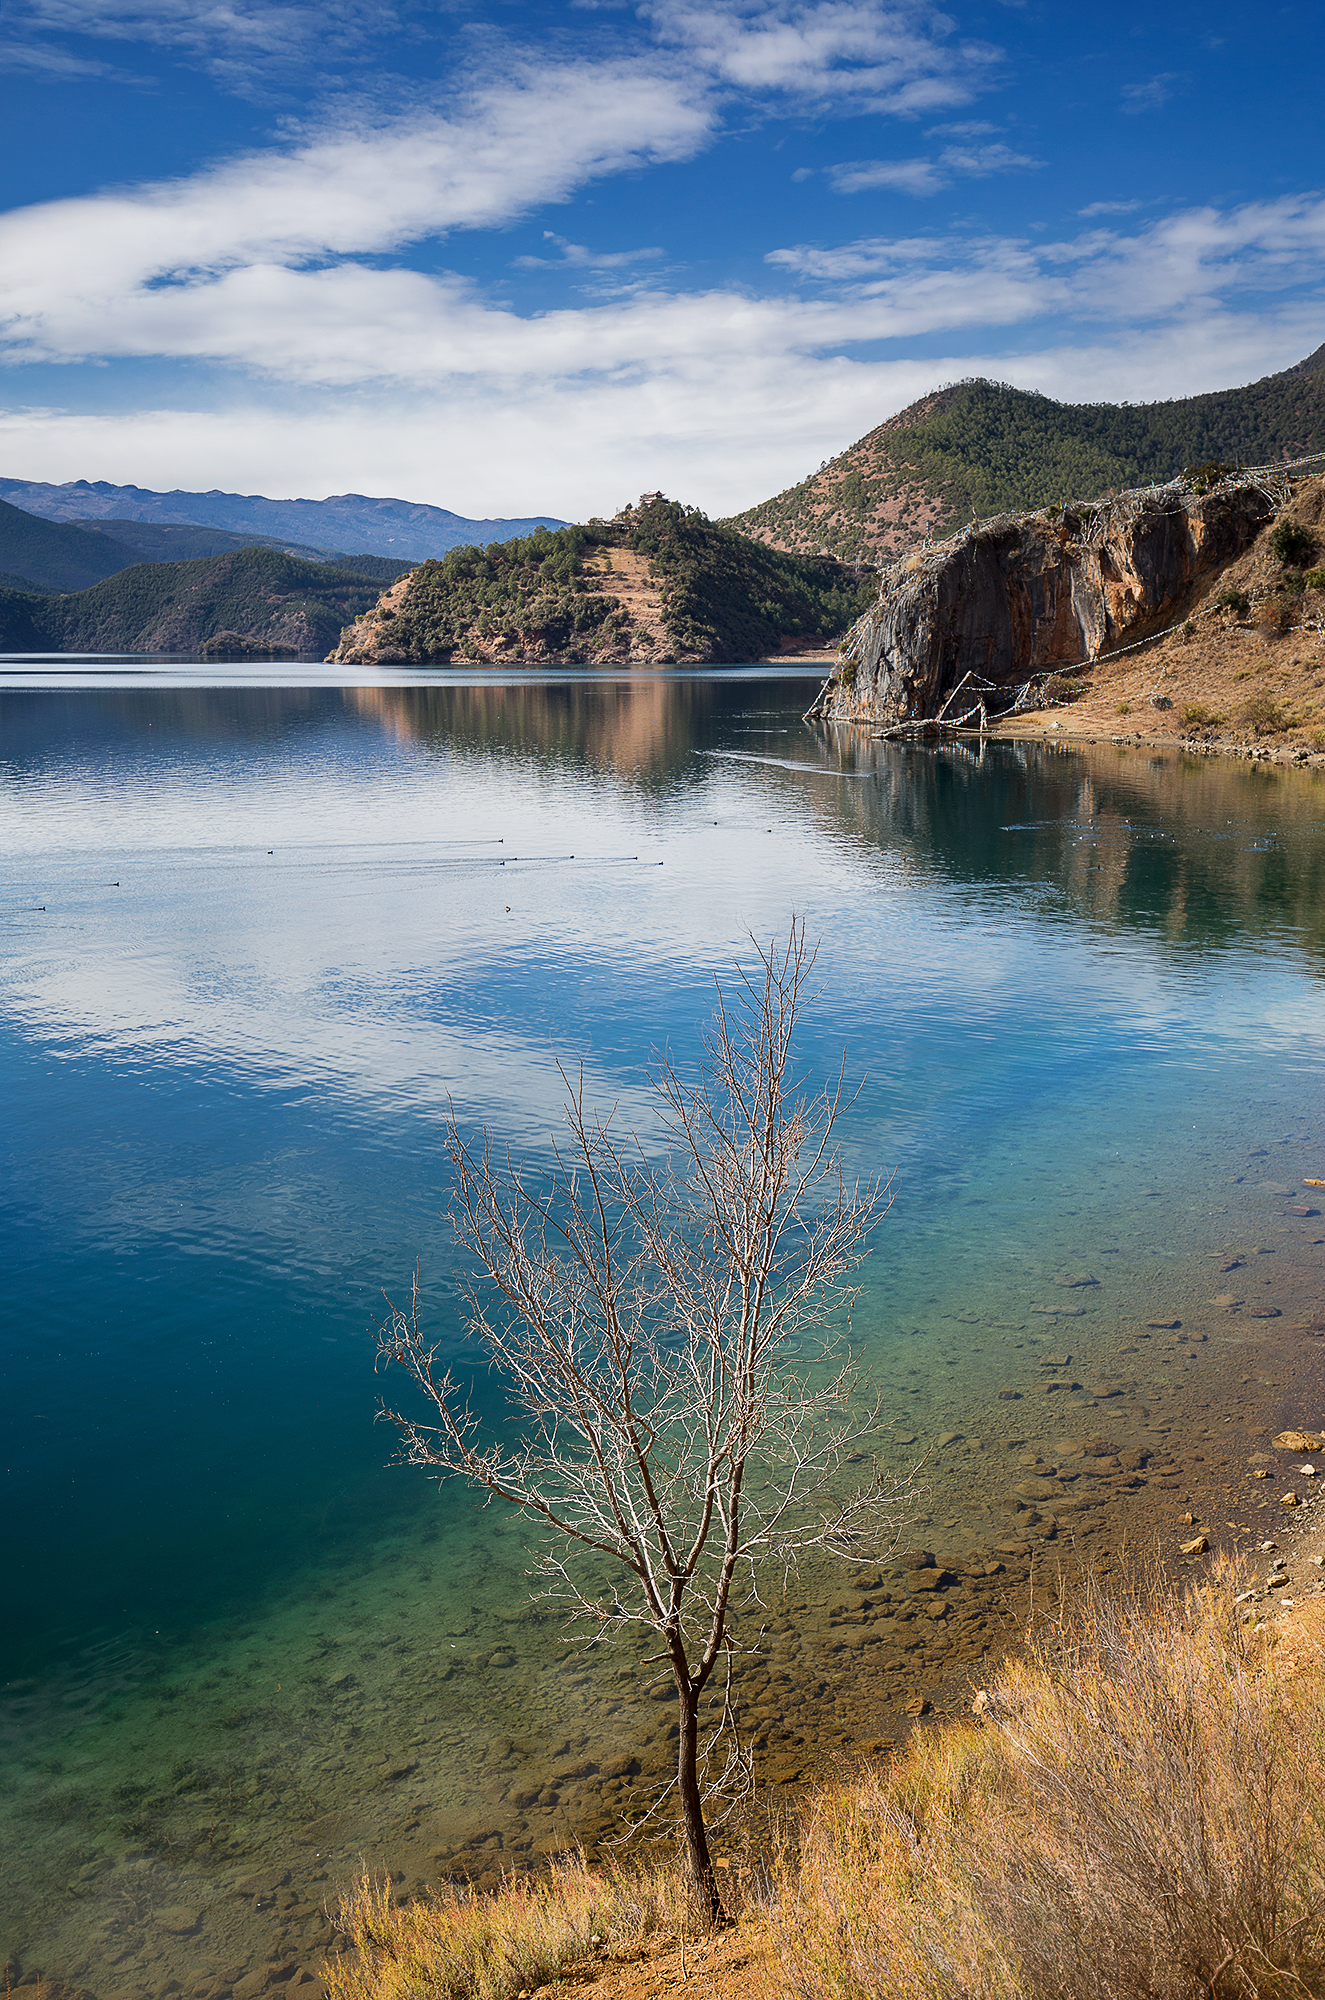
(1202, 849)
(255, 938)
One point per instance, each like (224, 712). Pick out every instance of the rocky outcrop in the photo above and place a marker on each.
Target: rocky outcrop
(1019, 597)
(370, 640)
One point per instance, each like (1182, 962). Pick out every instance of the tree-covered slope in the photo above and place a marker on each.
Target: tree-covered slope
(177, 541)
(269, 600)
(660, 582)
(981, 448)
(54, 555)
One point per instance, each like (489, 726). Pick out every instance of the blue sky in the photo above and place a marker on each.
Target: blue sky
(512, 259)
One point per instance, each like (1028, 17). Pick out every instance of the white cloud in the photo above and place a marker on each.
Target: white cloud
(579, 257)
(1179, 264)
(95, 275)
(426, 389)
(898, 58)
(917, 177)
(37, 58)
(722, 429)
(922, 177)
(1109, 208)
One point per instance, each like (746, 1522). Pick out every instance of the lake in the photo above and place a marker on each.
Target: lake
(259, 934)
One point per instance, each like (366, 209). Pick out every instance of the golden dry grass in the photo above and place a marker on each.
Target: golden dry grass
(463, 1946)
(1133, 1817)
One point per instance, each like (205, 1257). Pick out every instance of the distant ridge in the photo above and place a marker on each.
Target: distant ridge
(408, 529)
(180, 541)
(980, 448)
(50, 555)
(248, 602)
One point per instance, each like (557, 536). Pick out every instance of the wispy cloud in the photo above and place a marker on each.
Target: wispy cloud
(1191, 265)
(578, 256)
(245, 44)
(250, 226)
(40, 58)
(1109, 208)
(901, 56)
(263, 303)
(922, 176)
(896, 58)
(1151, 95)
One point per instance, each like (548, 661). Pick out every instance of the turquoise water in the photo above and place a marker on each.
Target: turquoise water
(255, 937)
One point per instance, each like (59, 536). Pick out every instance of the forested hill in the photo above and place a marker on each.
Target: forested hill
(250, 602)
(658, 583)
(54, 555)
(981, 448)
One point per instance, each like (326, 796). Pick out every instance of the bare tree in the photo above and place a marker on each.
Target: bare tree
(670, 1338)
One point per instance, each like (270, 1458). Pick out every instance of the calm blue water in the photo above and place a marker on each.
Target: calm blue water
(255, 937)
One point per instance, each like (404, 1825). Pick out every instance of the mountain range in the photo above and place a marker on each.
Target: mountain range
(980, 448)
(89, 565)
(406, 529)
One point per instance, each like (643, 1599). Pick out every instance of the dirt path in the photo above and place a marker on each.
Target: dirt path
(733, 1965)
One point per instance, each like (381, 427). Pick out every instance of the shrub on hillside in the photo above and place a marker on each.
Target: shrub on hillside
(1293, 544)
(1266, 714)
(1203, 478)
(1135, 1819)
(1056, 688)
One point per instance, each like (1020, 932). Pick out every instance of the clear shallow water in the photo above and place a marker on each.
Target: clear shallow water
(256, 935)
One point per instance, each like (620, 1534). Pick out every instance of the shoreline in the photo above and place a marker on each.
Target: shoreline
(1036, 728)
(1161, 1434)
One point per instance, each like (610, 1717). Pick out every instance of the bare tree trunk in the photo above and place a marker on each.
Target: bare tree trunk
(665, 1331)
(692, 1812)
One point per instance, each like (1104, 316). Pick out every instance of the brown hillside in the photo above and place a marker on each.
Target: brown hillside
(1250, 683)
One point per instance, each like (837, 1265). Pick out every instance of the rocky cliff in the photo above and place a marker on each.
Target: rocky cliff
(975, 619)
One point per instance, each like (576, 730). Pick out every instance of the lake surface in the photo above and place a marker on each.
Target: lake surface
(257, 935)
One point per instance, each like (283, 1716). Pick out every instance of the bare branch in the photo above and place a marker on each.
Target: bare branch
(669, 1334)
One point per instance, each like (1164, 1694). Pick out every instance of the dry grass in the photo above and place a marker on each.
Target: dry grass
(468, 1946)
(1134, 1817)
(1255, 618)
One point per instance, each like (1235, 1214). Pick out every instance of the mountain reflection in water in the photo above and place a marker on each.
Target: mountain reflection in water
(257, 938)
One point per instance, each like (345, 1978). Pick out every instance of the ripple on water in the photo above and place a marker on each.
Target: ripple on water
(244, 1654)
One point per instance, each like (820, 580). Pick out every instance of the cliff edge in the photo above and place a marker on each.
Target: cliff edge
(969, 628)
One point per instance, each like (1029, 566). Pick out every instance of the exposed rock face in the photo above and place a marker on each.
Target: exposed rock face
(1014, 598)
